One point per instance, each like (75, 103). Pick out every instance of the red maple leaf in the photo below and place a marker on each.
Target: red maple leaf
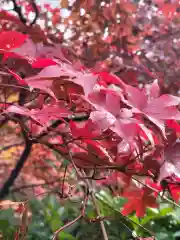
(11, 39)
(138, 201)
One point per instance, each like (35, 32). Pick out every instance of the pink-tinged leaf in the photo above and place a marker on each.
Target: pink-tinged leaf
(42, 116)
(113, 103)
(135, 97)
(49, 112)
(105, 100)
(163, 113)
(21, 110)
(127, 129)
(163, 101)
(170, 113)
(42, 84)
(123, 153)
(17, 77)
(11, 39)
(18, 109)
(123, 148)
(56, 140)
(87, 82)
(102, 119)
(172, 153)
(125, 113)
(47, 72)
(27, 50)
(98, 99)
(154, 90)
(167, 169)
(159, 123)
(83, 130)
(171, 165)
(43, 62)
(57, 51)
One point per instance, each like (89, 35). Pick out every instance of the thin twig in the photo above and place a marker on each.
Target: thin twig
(103, 229)
(10, 146)
(73, 221)
(128, 219)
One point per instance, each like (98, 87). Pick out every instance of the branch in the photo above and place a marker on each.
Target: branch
(18, 10)
(16, 171)
(36, 11)
(11, 146)
(103, 229)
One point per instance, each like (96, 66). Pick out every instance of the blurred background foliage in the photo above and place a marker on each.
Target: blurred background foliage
(48, 214)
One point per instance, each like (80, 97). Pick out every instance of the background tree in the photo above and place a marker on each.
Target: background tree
(86, 104)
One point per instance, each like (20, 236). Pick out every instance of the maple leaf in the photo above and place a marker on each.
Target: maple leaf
(28, 50)
(41, 116)
(11, 39)
(171, 164)
(109, 114)
(50, 112)
(172, 124)
(96, 154)
(138, 201)
(175, 191)
(156, 108)
(51, 73)
(83, 130)
(43, 62)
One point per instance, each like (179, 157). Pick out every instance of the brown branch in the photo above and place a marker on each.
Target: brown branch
(36, 11)
(16, 171)
(18, 10)
(89, 185)
(19, 165)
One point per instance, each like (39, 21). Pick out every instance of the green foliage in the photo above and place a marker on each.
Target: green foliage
(48, 215)
(8, 223)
